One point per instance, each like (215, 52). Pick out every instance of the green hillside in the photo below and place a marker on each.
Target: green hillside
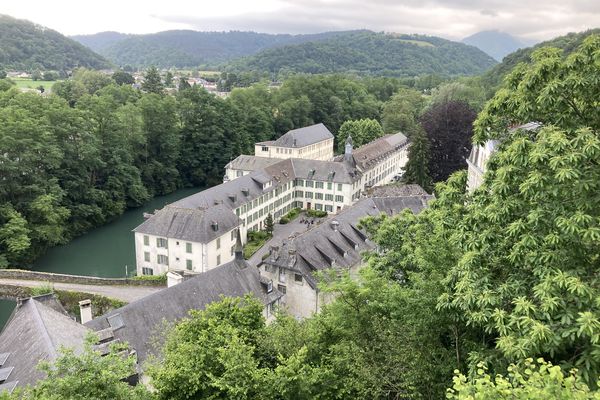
(186, 48)
(27, 46)
(372, 53)
(568, 43)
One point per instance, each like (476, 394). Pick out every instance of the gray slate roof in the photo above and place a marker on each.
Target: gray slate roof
(324, 247)
(192, 224)
(303, 136)
(367, 155)
(35, 332)
(143, 320)
(251, 163)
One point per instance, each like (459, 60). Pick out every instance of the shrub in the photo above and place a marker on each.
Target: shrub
(159, 279)
(284, 220)
(316, 213)
(44, 288)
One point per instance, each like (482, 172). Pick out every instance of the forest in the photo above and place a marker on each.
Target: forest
(485, 295)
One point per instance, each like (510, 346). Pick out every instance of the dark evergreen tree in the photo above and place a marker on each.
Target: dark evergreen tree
(152, 81)
(269, 224)
(449, 128)
(417, 168)
(183, 84)
(123, 78)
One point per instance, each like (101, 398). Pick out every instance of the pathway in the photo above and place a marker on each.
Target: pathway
(123, 293)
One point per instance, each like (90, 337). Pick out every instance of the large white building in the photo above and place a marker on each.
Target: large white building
(198, 233)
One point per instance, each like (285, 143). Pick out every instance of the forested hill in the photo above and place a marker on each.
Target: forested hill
(185, 48)
(27, 46)
(374, 54)
(567, 43)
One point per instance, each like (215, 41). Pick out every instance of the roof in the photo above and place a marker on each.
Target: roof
(302, 137)
(395, 190)
(251, 163)
(338, 241)
(192, 224)
(143, 320)
(367, 155)
(35, 332)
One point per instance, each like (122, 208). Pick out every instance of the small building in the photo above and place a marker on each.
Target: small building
(313, 142)
(142, 322)
(336, 245)
(37, 329)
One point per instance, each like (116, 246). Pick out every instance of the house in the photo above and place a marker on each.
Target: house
(142, 322)
(336, 245)
(38, 327)
(197, 233)
(481, 154)
(313, 142)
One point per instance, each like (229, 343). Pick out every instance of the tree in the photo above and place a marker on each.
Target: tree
(88, 375)
(123, 78)
(448, 127)
(269, 224)
(417, 167)
(152, 81)
(168, 79)
(362, 132)
(50, 76)
(183, 84)
(70, 90)
(401, 112)
(530, 381)
(469, 91)
(93, 81)
(2, 74)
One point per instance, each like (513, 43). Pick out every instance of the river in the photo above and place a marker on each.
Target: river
(105, 251)
(6, 308)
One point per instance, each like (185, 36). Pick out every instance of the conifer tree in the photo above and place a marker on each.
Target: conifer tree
(269, 225)
(417, 168)
(152, 81)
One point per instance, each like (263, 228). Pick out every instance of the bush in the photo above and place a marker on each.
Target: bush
(42, 289)
(284, 220)
(316, 213)
(293, 213)
(159, 279)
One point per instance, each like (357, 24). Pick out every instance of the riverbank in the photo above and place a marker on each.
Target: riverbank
(107, 251)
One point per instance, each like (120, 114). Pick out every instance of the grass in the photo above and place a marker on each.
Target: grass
(417, 42)
(27, 83)
(256, 240)
(290, 216)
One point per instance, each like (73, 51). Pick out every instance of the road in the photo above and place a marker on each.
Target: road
(123, 293)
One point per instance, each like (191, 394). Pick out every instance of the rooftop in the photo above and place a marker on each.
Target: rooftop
(302, 137)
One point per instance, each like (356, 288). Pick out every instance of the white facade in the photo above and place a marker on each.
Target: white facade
(477, 163)
(322, 150)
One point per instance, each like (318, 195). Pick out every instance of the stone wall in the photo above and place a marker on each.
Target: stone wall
(79, 279)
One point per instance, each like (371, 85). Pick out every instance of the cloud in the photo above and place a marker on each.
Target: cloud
(448, 18)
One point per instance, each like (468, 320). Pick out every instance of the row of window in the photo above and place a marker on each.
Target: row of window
(319, 196)
(317, 184)
(164, 244)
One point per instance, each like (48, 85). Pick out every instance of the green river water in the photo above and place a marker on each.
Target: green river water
(104, 251)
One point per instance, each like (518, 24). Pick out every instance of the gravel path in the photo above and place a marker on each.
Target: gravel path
(123, 293)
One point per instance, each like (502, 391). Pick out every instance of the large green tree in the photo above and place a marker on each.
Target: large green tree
(362, 132)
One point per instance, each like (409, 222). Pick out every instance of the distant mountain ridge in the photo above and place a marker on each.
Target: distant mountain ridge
(27, 46)
(187, 48)
(495, 43)
(371, 53)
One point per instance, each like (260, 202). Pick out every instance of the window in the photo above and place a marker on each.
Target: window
(265, 148)
(339, 187)
(233, 249)
(146, 240)
(147, 271)
(299, 193)
(318, 207)
(239, 173)
(308, 195)
(310, 184)
(162, 259)
(188, 247)
(188, 265)
(219, 259)
(281, 275)
(339, 198)
(319, 185)
(147, 256)
(299, 182)
(298, 278)
(328, 208)
(329, 185)
(218, 243)
(270, 287)
(319, 196)
(329, 197)
(282, 288)
(161, 242)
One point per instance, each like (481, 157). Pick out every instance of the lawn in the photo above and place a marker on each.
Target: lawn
(27, 83)
(256, 240)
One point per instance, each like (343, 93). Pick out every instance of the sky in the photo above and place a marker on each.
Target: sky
(453, 19)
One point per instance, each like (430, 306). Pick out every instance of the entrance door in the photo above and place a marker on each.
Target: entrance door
(308, 206)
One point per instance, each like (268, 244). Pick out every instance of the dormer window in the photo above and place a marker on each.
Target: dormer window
(270, 287)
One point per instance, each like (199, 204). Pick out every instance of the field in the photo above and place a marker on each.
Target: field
(27, 83)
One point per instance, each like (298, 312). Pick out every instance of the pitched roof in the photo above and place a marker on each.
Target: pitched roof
(251, 163)
(142, 320)
(35, 332)
(369, 154)
(192, 224)
(302, 137)
(338, 242)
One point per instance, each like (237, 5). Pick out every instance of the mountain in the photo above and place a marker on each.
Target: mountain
(186, 48)
(495, 43)
(372, 53)
(99, 41)
(493, 78)
(27, 46)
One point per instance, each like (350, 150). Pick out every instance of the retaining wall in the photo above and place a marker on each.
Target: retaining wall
(79, 279)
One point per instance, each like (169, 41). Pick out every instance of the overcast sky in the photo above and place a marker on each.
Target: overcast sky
(454, 19)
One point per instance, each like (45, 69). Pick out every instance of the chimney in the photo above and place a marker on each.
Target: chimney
(239, 248)
(215, 226)
(348, 149)
(85, 310)
(274, 252)
(292, 257)
(335, 225)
